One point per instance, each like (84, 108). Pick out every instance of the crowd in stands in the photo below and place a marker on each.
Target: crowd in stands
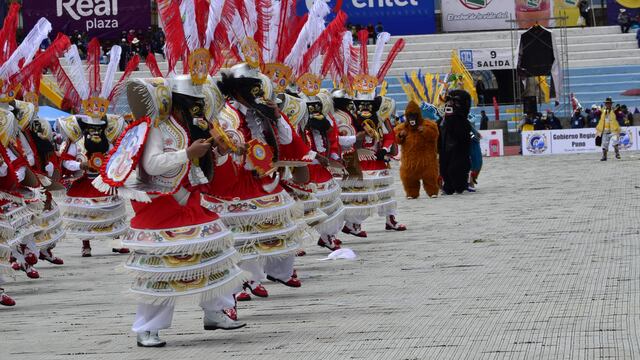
(591, 116)
(581, 118)
(132, 43)
(373, 31)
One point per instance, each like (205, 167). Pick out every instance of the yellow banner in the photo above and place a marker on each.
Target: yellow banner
(568, 8)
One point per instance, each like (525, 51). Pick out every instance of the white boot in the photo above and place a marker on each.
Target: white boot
(150, 339)
(219, 320)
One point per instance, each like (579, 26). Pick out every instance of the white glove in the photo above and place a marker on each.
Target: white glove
(49, 168)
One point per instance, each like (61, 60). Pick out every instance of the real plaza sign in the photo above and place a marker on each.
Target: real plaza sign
(103, 18)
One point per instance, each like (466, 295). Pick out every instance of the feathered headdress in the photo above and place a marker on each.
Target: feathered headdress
(280, 39)
(12, 57)
(31, 74)
(86, 91)
(366, 79)
(314, 40)
(194, 36)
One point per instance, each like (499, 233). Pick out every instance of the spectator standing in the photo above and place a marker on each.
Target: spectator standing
(372, 33)
(480, 89)
(624, 21)
(379, 28)
(135, 47)
(131, 35)
(608, 129)
(627, 117)
(526, 124)
(554, 122)
(577, 119)
(540, 122)
(126, 54)
(484, 120)
(585, 11)
(593, 117)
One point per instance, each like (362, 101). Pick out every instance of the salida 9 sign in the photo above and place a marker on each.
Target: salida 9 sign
(103, 18)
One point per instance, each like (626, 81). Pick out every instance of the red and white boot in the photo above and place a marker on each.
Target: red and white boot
(231, 313)
(354, 229)
(30, 257)
(256, 289)
(392, 224)
(243, 296)
(30, 271)
(5, 299)
(292, 282)
(47, 255)
(329, 242)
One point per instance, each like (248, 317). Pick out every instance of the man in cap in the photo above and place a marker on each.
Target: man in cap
(609, 129)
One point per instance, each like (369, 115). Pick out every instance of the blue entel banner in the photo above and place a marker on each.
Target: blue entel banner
(398, 17)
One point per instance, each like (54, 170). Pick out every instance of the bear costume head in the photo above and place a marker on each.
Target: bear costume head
(413, 115)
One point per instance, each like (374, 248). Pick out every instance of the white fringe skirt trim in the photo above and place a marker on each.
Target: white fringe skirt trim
(198, 290)
(195, 239)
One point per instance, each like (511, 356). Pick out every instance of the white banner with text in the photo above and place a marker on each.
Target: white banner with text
(571, 141)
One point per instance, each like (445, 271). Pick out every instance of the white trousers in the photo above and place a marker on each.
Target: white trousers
(280, 267)
(255, 267)
(157, 317)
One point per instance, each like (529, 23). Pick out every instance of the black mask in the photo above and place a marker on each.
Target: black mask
(250, 91)
(317, 120)
(345, 105)
(458, 103)
(191, 110)
(367, 110)
(95, 140)
(44, 146)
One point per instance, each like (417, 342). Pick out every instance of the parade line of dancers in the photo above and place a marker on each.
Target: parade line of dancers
(228, 179)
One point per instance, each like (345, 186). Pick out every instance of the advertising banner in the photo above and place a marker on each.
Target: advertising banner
(467, 15)
(486, 59)
(492, 143)
(105, 19)
(572, 141)
(463, 15)
(398, 17)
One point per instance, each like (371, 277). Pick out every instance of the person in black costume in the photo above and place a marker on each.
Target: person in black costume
(455, 143)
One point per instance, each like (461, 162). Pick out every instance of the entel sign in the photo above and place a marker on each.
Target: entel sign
(361, 4)
(78, 9)
(383, 3)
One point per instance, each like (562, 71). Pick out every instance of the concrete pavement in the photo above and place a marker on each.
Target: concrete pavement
(542, 263)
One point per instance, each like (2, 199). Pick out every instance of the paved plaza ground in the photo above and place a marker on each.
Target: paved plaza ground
(542, 263)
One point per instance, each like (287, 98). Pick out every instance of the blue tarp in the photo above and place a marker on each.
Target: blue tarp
(51, 114)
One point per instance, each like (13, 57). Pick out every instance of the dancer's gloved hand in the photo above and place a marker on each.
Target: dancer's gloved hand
(322, 160)
(198, 148)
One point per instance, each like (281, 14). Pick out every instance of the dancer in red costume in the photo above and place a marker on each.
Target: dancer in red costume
(14, 214)
(366, 135)
(89, 213)
(15, 60)
(261, 214)
(179, 248)
(37, 147)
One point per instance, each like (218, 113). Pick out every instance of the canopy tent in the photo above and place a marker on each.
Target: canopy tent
(51, 114)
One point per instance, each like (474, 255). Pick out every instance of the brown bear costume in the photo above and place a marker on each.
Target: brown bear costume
(418, 139)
